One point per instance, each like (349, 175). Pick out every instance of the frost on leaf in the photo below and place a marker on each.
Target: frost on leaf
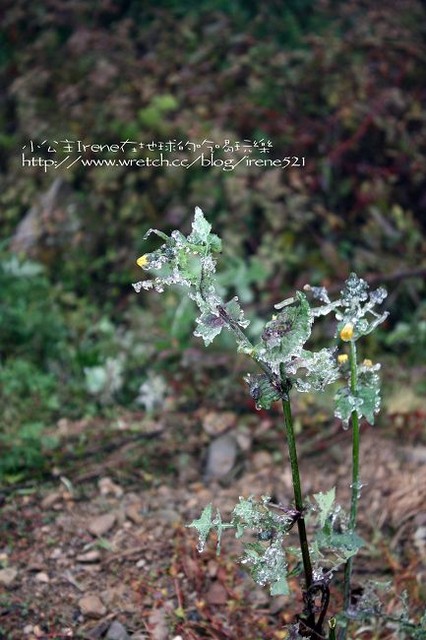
(346, 403)
(267, 565)
(263, 392)
(201, 232)
(205, 524)
(357, 301)
(256, 515)
(284, 336)
(211, 322)
(365, 401)
(209, 325)
(334, 543)
(265, 559)
(355, 306)
(320, 368)
(325, 502)
(183, 260)
(354, 291)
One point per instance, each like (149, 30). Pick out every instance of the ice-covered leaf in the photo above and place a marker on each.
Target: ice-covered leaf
(368, 391)
(267, 565)
(320, 368)
(203, 525)
(358, 306)
(341, 544)
(254, 514)
(235, 312)
(354, 291)
(365, 401)
(280, 587)
(346, 403)
(201, 235)
(158, 233)
(263, 392)
(209, 325)
(189, 266)
(200, 227)
(284, 336)
(290, 328)
(325, 502)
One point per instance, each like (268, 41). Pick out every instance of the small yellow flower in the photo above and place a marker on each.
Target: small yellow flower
(367, 363)
(347, 332)
(142, 261)
(342, 358)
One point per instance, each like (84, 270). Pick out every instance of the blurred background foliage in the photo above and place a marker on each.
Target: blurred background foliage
(341, 84)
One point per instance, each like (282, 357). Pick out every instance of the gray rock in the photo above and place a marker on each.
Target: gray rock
(117, 632)
(8, 576)
(221, 457)
(92, 606)
(100, 525)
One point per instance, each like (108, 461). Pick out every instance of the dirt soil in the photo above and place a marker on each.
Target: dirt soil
(104, 539)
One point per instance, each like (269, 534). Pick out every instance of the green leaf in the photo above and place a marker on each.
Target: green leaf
(284, 336)
(262, 390)
(189, 266)
(280, 587)
(209, 325)
(203, 525)
(346, 402)
(200, 228)
(369, 391)
(325, 502)
(267, 565)
(235, 312)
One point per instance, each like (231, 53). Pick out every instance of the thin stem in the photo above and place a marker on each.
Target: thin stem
(298, 501)
(355, 482)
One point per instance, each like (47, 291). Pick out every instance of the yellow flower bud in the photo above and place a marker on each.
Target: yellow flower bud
(342, 358)
(367, 363)
(142, 261)
(347, 332)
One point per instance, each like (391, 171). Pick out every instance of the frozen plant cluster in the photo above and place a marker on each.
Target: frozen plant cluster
(284, 362)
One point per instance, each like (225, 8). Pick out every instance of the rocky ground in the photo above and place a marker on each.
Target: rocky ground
(100, 550)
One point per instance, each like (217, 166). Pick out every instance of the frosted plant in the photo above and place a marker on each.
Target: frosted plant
(285, 362)
(152, 393)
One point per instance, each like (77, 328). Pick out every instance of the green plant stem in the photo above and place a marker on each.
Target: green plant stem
(298, 501)
(355, 482)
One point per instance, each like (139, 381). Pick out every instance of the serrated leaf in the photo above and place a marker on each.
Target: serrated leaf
(325, 502)
(321, 370)
(343, 545)
(370, 397)
(200, 228)
(203, 525)
(346, 403)
(262, 390)
(267, 565)
(290, 329)
(209, 326)
(235, 312)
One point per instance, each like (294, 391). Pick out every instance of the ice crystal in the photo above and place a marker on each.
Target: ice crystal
(267, 566)
(358, 306)
(320, 370)
(355, 306)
